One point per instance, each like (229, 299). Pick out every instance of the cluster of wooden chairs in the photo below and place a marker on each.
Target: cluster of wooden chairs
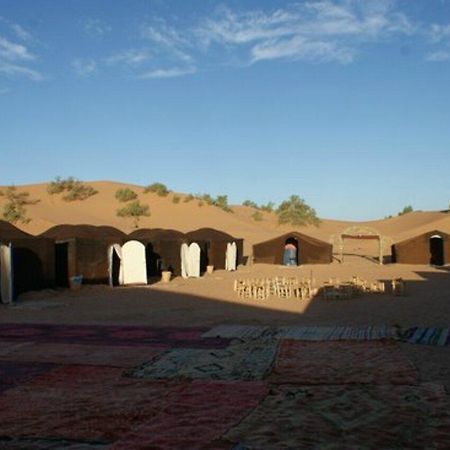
(334, 289)
(282, 287)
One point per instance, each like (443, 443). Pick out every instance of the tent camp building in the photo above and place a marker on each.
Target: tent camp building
(432, 247)
(309, 250)
(26, 262)
(83, 250)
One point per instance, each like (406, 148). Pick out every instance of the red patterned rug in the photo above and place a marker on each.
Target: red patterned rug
(82, 403)
(189, 337)
(196, 416)
(81, 354)
(347, 417)
(341, 362)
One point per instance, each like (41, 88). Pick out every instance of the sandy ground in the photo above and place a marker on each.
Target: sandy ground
(210, 300)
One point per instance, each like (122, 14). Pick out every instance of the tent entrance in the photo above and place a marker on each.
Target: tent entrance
(290, 252)
(62, 264)
(436, 250)
(115, 268)
(153, 261)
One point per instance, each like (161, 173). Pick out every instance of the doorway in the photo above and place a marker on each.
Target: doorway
(436, 250)
(62, 264)
(290, 252)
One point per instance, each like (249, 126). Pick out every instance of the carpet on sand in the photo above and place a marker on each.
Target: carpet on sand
(81, 403)
(427, 335)
(342, 362)
(112, 335)
(196, 416)
(363, 417)
(248, 360)
(302, 333)
(76, 354)
(13, 373)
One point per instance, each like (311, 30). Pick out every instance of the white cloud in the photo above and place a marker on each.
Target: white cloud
(438, 56)
(168, 73)
(129, 57)
(96, 27)
(21, 33)
(84, 67)
(12, 51)
(13, 70)
(315, 31)
(439, 33)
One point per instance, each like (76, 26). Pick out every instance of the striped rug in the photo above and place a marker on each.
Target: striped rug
(303, 333)
(428, 336)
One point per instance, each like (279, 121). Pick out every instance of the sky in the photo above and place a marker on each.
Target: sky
(345, 103)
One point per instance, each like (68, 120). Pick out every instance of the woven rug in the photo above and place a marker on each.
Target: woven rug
(427, 335)
(248, 360)
(239, 332)
(13, 373)
(77, 354)
(196, 416)
(336, 333)
(369, 362)
(112, 335)
(81, 403)
(49, 444)
(348, 417)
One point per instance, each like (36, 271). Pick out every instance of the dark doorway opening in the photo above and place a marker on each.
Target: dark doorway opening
(27, 270)
(115, 268)
(154, 262)
(436, 251)
(290, 254)
(62, 264)
(204, 258)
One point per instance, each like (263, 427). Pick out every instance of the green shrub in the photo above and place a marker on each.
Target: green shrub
(157, 188)
(406, 210)
(296, 212)
(79, 191)
(268, 207)
(14, 209)
(221, 201)
(134, 210)
(176, 199)
(200, 203)
(76, 190)
(257, 216)
(60, 185)
(207, 199)
(188, 198)
(125, 195)
(250, 203)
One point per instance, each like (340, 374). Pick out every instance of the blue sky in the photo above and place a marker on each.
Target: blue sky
(345, 103)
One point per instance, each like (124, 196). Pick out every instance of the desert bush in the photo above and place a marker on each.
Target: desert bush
(134, 210)
(157, 188)
(221, 201)
(79, 191)
(250, 203)
(188, 198)
(268, 207)
(207, 199)
(125, 195)
(200, 203)
(76, 190)
(176, 199)
(296, 212)
(257, 216)
(60, 185)
(406, 210)
(14, 210)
